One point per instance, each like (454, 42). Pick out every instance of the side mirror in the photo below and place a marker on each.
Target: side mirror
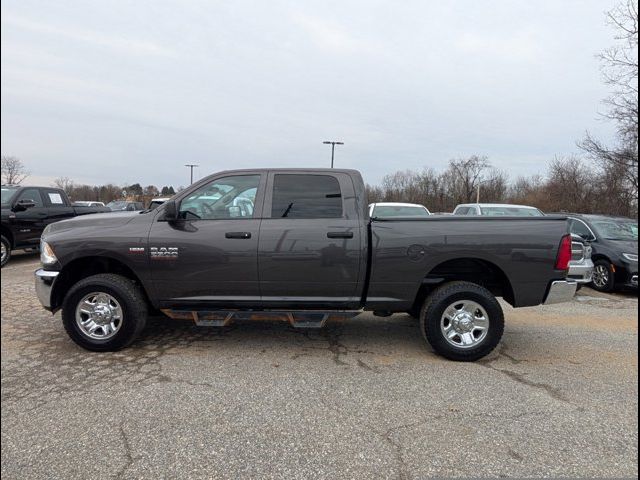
(170, 211)
(24, 204)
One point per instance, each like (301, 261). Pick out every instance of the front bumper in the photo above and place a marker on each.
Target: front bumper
(44, 284)
(561, 291)
(581, 272)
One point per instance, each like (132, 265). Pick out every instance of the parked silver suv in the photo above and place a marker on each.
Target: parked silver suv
(581, 265)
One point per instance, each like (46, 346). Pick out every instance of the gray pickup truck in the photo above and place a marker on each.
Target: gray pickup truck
(297, 245)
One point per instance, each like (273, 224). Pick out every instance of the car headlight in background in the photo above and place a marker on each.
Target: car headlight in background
(632, 257)
(47, 257)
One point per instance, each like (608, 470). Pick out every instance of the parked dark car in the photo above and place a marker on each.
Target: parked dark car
(614, 241)
(298, 245)
(125, 206)
(26, 211)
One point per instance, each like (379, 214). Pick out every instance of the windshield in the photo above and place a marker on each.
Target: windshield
(617, 230)
(117, 205)
(399, 211)
(7, 194)
(508, 211)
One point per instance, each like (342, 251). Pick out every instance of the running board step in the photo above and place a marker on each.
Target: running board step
(297, 318)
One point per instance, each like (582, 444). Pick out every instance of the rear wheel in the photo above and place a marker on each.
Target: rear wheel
(603, 278)
(462, 321)
(104, 312)
(5, 253)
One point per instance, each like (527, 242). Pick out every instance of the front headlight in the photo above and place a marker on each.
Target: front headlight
(632, 257)
(47, 257)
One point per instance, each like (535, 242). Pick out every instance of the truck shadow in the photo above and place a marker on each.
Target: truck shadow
(362, 335)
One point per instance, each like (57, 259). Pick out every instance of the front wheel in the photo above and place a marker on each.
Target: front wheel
(104, 312)
(603, 278)
(6, 251)
(462, 321)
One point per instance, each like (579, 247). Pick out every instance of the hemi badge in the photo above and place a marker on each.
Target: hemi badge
(136, 249)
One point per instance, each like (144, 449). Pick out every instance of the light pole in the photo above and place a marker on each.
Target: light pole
(333, 146)
(191, 165)
(478, 190)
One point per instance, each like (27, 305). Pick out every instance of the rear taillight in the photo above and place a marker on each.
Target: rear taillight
(564, 253)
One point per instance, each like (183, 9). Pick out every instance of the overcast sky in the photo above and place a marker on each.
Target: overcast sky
(123, 92)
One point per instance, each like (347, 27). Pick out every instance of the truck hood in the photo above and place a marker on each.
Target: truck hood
(101, 220)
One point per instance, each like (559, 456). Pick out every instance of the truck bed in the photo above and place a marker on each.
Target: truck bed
(515, 256)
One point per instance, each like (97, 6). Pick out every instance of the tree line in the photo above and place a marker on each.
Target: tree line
(110, 192)
(571, 184)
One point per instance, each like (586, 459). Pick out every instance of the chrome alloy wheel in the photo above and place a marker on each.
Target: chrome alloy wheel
(464, 324)
(99, 316)
(600, 276)
(3, 252)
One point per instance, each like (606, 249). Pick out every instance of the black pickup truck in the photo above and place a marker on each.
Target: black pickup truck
(297, 245)
(26, 211)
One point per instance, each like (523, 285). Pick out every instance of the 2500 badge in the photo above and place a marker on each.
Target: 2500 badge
(162, 253)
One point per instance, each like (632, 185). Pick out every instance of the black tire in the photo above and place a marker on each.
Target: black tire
(6, 246)
(602, 284)
(132, 302)
(445, 296)
(414, 312)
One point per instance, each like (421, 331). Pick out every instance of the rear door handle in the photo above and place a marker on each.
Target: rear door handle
(240, 235)
(340, 235)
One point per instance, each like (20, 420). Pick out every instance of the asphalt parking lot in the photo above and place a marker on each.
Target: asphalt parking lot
(364, 399)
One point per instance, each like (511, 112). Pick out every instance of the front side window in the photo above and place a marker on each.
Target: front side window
(32, 194)
(306, 196)
(461, 211)
(224, 198)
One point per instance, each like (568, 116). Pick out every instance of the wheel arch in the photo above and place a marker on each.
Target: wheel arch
(471, 269)
(84, 267)
(6, 232)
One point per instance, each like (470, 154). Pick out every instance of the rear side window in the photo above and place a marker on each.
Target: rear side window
(32, 194)
(580, 229)
(472, 211)
(306, 196)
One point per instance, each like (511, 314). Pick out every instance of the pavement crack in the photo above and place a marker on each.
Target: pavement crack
(515, 455)
(397, 446)
(553, 392)
(368, 367)
(332, 336)
(127, 452)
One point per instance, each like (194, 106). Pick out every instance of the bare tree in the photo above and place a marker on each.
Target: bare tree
(64, 183)
(466, 174)
(619, 65)
(13, 171)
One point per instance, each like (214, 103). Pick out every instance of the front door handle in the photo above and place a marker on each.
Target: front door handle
(240, 235)
(340, 235)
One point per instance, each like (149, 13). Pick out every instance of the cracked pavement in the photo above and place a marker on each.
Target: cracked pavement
(362, 399)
